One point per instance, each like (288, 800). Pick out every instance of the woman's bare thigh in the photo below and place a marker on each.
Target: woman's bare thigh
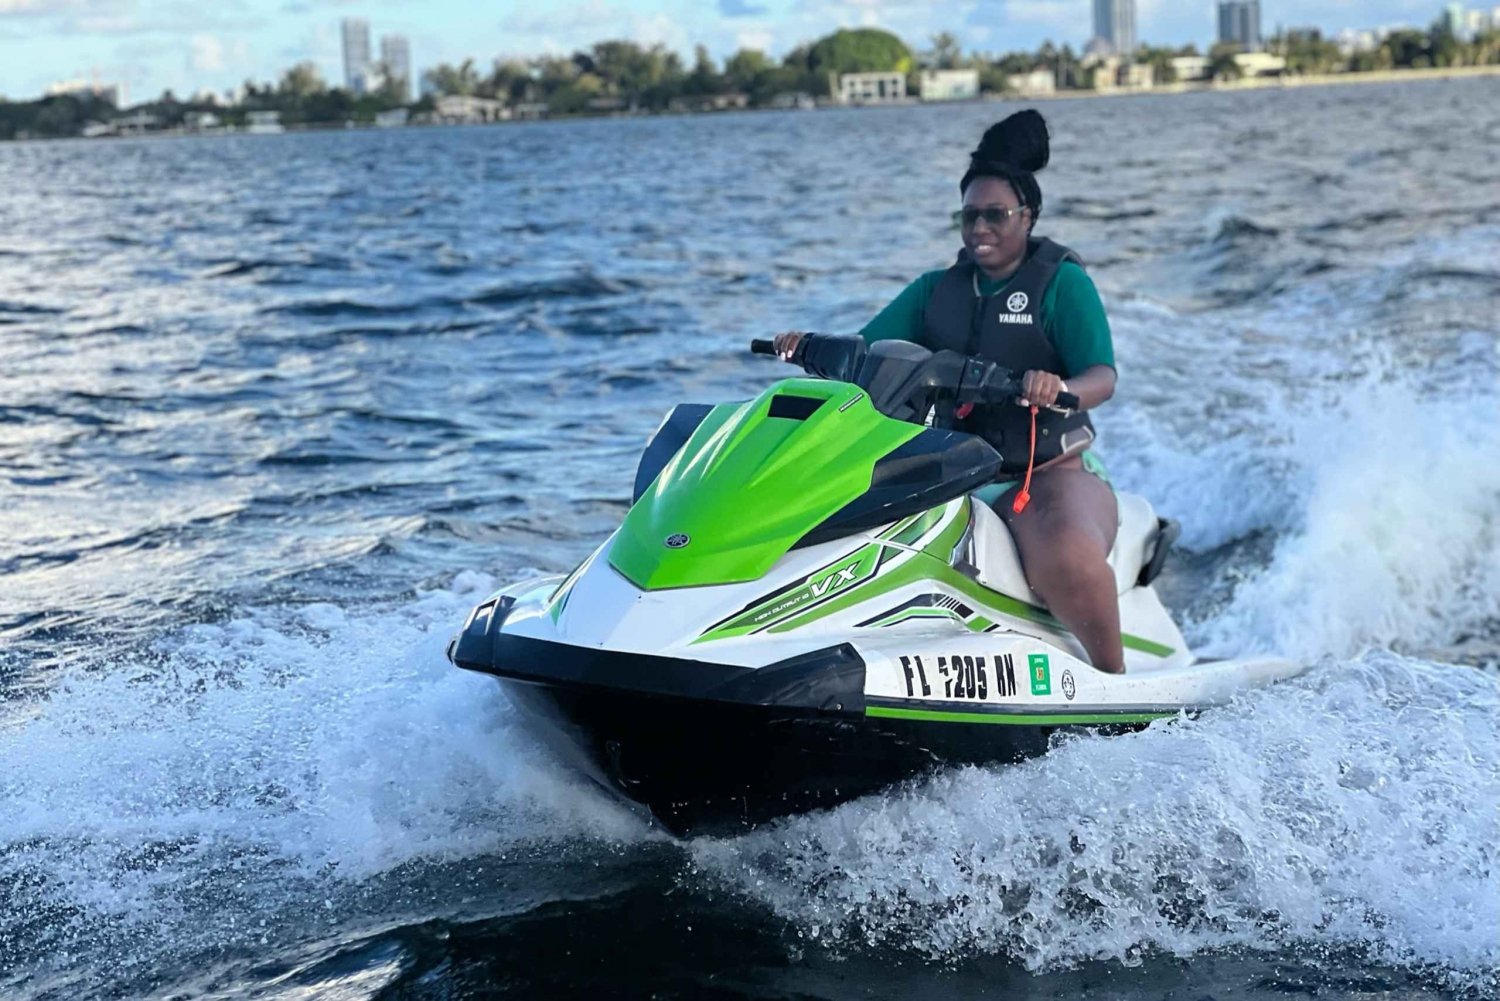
(1064, 500)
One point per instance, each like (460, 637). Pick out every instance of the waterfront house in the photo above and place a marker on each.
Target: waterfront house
(464, 109)
(949, 85)
(872, 88)
(1039, 82)
(263, 123)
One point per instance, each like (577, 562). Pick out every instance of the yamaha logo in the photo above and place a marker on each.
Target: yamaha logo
(677, 541)
(1069, 689)
(1016, 302)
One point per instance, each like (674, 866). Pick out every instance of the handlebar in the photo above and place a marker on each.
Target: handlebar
(984, 382)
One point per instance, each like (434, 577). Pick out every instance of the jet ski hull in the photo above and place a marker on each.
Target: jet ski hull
(747, 746)
(714, 768)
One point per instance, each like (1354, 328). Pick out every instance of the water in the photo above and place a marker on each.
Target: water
(275, 411)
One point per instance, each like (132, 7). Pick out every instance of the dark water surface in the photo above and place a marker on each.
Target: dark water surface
(274, 411)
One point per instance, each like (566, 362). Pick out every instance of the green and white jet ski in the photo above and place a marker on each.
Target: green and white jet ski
(805, 604)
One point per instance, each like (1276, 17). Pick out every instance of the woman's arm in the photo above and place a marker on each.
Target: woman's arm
(1092, 386)
(1073, 319)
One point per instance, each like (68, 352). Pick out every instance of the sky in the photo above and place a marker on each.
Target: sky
(192, 45)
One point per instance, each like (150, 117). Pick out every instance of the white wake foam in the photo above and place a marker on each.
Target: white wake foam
(1357, 807)
(236, 768)
(1354, 808)
(1396, 544)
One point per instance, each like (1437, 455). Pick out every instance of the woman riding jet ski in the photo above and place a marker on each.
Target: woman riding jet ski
(1028, 304)
(811, 596)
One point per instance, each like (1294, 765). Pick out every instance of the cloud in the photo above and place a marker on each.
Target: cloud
(742, 8)
(760, 39)
(207, 54)
(102, 18)
(308, 6)
(572, 27)
(38, 7)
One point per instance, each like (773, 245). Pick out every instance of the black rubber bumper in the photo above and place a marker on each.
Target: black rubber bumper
(712, 748)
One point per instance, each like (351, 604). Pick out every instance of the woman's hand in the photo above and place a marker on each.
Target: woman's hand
(787, 343)
(1040, 389)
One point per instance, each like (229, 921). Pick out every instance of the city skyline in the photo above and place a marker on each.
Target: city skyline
(152, 45)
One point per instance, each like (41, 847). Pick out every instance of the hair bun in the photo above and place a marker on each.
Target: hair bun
(1017, 141)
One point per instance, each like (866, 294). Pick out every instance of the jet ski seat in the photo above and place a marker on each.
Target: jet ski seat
(1140, 549)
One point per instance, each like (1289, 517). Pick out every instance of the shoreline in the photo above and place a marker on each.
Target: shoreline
(1184, 87)
(1274, 83)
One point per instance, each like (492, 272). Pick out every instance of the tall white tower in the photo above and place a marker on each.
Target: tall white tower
(395, 53)
(1114, 22)
(356, 33)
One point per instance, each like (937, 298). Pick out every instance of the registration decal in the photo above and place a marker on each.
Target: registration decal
(1041, 674)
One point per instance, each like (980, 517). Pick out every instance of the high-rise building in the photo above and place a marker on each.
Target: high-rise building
(356, 33)
(1453, 19)
(1114, 22)
(395, 54)
(1239, 23)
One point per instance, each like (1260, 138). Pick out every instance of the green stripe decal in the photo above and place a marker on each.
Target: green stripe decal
(1014, 719)
(1145, 646)
(919, 613)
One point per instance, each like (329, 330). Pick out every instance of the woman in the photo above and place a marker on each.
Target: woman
(1028, 305)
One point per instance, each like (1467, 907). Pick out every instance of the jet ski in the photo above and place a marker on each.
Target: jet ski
(805, 604)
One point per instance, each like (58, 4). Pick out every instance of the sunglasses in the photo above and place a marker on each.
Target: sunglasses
(967, 217)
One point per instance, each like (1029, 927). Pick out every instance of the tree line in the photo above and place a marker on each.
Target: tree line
(615, 75)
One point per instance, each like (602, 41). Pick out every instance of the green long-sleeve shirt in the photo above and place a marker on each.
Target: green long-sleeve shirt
(1072, 316)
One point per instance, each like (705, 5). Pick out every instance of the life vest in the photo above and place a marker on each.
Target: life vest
(1006, 328)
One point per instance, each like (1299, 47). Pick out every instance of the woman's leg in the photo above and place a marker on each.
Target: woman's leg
(1064, 537)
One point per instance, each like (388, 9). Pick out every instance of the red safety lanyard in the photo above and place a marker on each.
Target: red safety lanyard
(1024, 496)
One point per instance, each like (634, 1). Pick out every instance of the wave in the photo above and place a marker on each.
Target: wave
(1234, 230)
(1352, 808)
(1383, 553)
(212, 790)
(581, 286)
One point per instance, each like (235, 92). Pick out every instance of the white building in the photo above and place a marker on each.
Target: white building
(356, 34)
(1190, 68)
(395, 55)
(1112, 73)
(138, 122)
(460, 109)
(949, 85)
(1037, 83)
(263, 123)
(1467, 24)
(1260, 64)
(872, 88)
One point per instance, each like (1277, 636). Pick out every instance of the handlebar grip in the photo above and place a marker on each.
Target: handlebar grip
(1068, 401)
(762, 347)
